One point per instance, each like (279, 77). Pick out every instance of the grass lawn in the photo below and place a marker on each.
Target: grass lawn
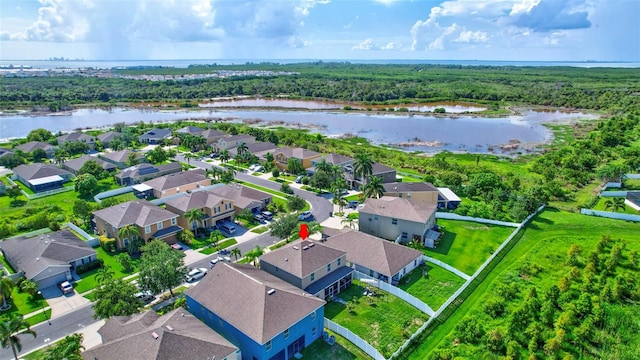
(600, 205)
(22, 304)
(261, 188)
(343, 349)
(221, 245)
(465, 245)
(88, 279)
(124, 197)
(435, 288)
(544, 242)
(385, 323)
(632, 184)
(260, 230)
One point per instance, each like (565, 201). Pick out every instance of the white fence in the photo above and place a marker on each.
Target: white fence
(395, 291)
(40, 194)
(613, 193)
(89, 239)
(451, 216)
(632, 176)
(610, 215)
(615, 185)
(355, 339)
(109, 193)
(445, 266)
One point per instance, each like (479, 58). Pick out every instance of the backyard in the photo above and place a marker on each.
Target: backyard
(602, 206)
(465, 245)
(343, 349)
(434, 288)
(383, 320)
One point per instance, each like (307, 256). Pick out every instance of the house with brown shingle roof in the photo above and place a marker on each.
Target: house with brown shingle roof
(172, 184)
(244, 197)
(397, 219)
(282, 155)
(264, 316)
(108, 137)
(415, 191)
(143, 172)
(41, 177)
(149, 336)
(376, 257)
(74, 165)
(47, 259)
(119, 158)
(78, 137)
(215, 208)
(28, 147)
(152, 222)
(259, 149)
(318, 269)
(212, 136)
(385, 173)
(233, 141)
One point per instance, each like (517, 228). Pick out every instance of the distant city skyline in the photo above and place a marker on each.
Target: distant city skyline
(502, 30)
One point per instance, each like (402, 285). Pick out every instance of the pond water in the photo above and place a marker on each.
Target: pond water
(409, 132)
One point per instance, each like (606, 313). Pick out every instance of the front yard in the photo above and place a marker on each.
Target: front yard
(384, 321)
(433, 289)
(88, 279)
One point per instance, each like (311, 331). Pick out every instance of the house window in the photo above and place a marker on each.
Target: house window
(371, 273)
(404, 235)
(268, 345)
(286, 334)
(313, 277)
(173, 221)
(147, 229)
(227, 206)
(216, 209)
(277, 268)
(404, 271)
(314, 331)
(313, 315)
(415, 262)
(394, 221)
(375, 217)
(159, 225)
(339, 260)
(328, 267)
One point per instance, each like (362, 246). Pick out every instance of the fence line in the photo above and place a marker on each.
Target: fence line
(613, 193)
(109, 193)
(89, 239)
(615, 185)
(632, 176)
(396, 291)
(610, 215)
(445, 266)
(451, 216)
(355, 339)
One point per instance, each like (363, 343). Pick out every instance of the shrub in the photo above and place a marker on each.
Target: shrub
(81, 269)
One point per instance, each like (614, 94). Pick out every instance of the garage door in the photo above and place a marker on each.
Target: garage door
(52, 280)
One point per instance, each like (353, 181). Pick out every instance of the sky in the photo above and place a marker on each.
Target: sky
(507, 30)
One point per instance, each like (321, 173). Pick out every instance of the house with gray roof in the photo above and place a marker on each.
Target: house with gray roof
(215, 208)
(397, 219)
(344, 161)
(155, 136)
(279, 321)
(259, 149)
(385, 173)
(149, 336)
(41, 177)
(152, 222)
(143, 172)
(212, 136)
(74, 165)
(191, 130)
(244, 197)
(233, 141)
(184, 181)
(376, 257)
(311, 266)
(107, 137)
(47, 259)
(120, 158)
(30, 146)
(5, 152)
(78, 137)
(415, 191)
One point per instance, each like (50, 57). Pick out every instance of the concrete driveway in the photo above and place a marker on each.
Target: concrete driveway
(61, 304)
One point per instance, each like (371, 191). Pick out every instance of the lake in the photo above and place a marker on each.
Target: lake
(411, 132)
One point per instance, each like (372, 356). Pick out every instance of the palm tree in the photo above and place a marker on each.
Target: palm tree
(224, 156)
(254, 254)
(363, 166)
(104, 275)
(323, 165)
(349, 221)
(338, 199)
(615, 204)
(236, 253)
(9, 333)
(128, 232)
(374, 188)
(188, 156)
(214, 172)
(214, 237)
(60, 156)
(6, 287)
(193, 216)
(243, 149)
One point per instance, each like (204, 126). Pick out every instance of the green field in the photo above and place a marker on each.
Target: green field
(434, 288)
(466, 245)
(545, 243)
(600, 205)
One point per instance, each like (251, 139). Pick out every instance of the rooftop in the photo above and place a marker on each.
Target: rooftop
(139, 212)
(409, 187)
(38, 170)
(400, 208)
(178, 179)
(301, 258)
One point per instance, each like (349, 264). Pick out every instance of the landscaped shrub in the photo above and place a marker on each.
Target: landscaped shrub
(107, 244)
(81, 269)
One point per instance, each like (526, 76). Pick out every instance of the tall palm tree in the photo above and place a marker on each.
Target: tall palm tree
(338, 199)
(6, 287)
(194, 215)
(60, 156)
(128, 232)
(243, 149)
(188, 156)
(374, 188)
(363, 166)
(350, 222)
(224, 156)
(236, 253)
(615, 204)
(254, 254)
(104, 275)
(9, 333)
(214, 237)
(323, 165)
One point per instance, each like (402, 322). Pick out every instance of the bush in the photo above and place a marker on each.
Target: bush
(81, 269)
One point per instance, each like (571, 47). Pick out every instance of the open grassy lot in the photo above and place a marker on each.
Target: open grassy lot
(600, 205)
(343, 349)
(545, 242)
(434, 288)
(384, 321)
(466, 245)
(88, 279)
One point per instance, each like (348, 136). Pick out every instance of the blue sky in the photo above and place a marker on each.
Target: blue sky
(509, 30)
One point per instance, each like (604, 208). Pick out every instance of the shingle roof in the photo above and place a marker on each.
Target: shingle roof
(409, 187)
(5, 152)
(139, 212)
(75, 136)
(212, 134)
(33, 255)
(38, 170)
(108, 136)
(237, 137)
(242, 196)
(195, 200)
(255, 148)
(178, 335)
(267, 313)
(77, 163)
(399, 208)
(299, 153)
(382, 256)
(634, 197)
(336, 159)
(156, 134)
(176, 180)
(32, 145)
(134, 171)
(381, 169)
(121, 156)
(301, 258)
(190, 130)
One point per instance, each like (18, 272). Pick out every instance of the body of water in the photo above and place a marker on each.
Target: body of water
(409, 132)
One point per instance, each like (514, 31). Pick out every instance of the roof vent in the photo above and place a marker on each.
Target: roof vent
(170, 327)
(271, 291)
(286, 259)
(37, 259)
(296, 248)
(155, 335)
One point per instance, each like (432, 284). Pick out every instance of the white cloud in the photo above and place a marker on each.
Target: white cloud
(367, 44)
(386, 2)
(391, 46)
(472, 37)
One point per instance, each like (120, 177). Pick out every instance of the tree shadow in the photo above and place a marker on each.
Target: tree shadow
(17, 203)
(445, 243)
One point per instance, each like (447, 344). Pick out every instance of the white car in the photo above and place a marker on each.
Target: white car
(196, 274)
(305, 216)
(66, 287)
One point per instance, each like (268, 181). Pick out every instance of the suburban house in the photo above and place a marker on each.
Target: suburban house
(155, 136)
(212, 136)
(447, 199)
(119, 158)
(41, 177)
(191, 130)
(47, 259)
(152, 222)
(78, 137)
(397, 219)
(633, 200)
(214, 207)
(233, 141)
(264, 316)
(423, 192)
(258, 149)
(108, 137)
(345, 162)
(149, 336)
(282, 155)
(244, 197)
(313, 267)
(385, 173)
(376, 257)
(74, 165)
(184, 181)
(143, 172)
(28, 148)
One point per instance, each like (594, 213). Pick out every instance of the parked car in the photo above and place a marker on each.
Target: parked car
(214, 261)
(224, 252)
(196, 274)
(305, 216)
(176, 246)
(145, 296)
(268, 215)
(252, 167)
(353, 204)
(259, 218)
(66, 287)
(228, 228)
(299, 179)
(258, 168)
